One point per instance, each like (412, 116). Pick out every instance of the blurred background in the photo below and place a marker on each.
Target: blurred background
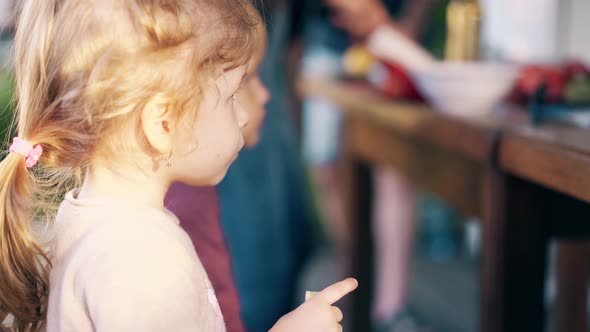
(461, 60)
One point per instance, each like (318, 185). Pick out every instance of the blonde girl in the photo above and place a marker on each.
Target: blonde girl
(117, 99)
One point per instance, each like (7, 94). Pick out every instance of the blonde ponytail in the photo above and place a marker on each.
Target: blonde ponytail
(24, 265)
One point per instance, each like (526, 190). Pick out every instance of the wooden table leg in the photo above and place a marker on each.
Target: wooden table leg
(573, 268)
(515, 254)
(525, 257)
(359, 199)
(569, 224)
(494, 225)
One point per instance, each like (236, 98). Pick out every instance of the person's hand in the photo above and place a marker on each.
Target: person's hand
(359, 18)
(318, 314)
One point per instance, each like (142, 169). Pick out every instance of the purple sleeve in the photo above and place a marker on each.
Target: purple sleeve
(197, 208)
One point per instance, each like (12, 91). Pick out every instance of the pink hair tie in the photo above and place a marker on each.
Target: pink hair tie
(25, 149)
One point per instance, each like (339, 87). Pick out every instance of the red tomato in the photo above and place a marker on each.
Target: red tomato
(532, 77)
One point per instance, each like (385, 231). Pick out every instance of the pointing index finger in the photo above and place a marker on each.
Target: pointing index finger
(335, 292)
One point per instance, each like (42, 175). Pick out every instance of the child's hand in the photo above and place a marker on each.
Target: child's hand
(318, 314)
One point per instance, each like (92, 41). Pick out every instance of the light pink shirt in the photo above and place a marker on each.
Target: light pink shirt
(118, 267)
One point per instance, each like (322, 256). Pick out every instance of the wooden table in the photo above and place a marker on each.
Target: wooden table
(484, 167)
(547, 178)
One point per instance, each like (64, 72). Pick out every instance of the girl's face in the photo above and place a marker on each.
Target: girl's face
(204, 151)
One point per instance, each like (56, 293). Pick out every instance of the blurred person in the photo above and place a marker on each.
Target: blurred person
(393, 218)
(266, 209)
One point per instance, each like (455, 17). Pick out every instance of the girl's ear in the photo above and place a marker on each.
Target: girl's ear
(158, 123)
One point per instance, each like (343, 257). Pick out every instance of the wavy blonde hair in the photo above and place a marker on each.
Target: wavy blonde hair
(82, 68)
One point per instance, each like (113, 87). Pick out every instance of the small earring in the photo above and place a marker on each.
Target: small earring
(167, 159)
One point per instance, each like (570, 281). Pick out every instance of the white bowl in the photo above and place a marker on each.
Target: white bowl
(465, 89)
